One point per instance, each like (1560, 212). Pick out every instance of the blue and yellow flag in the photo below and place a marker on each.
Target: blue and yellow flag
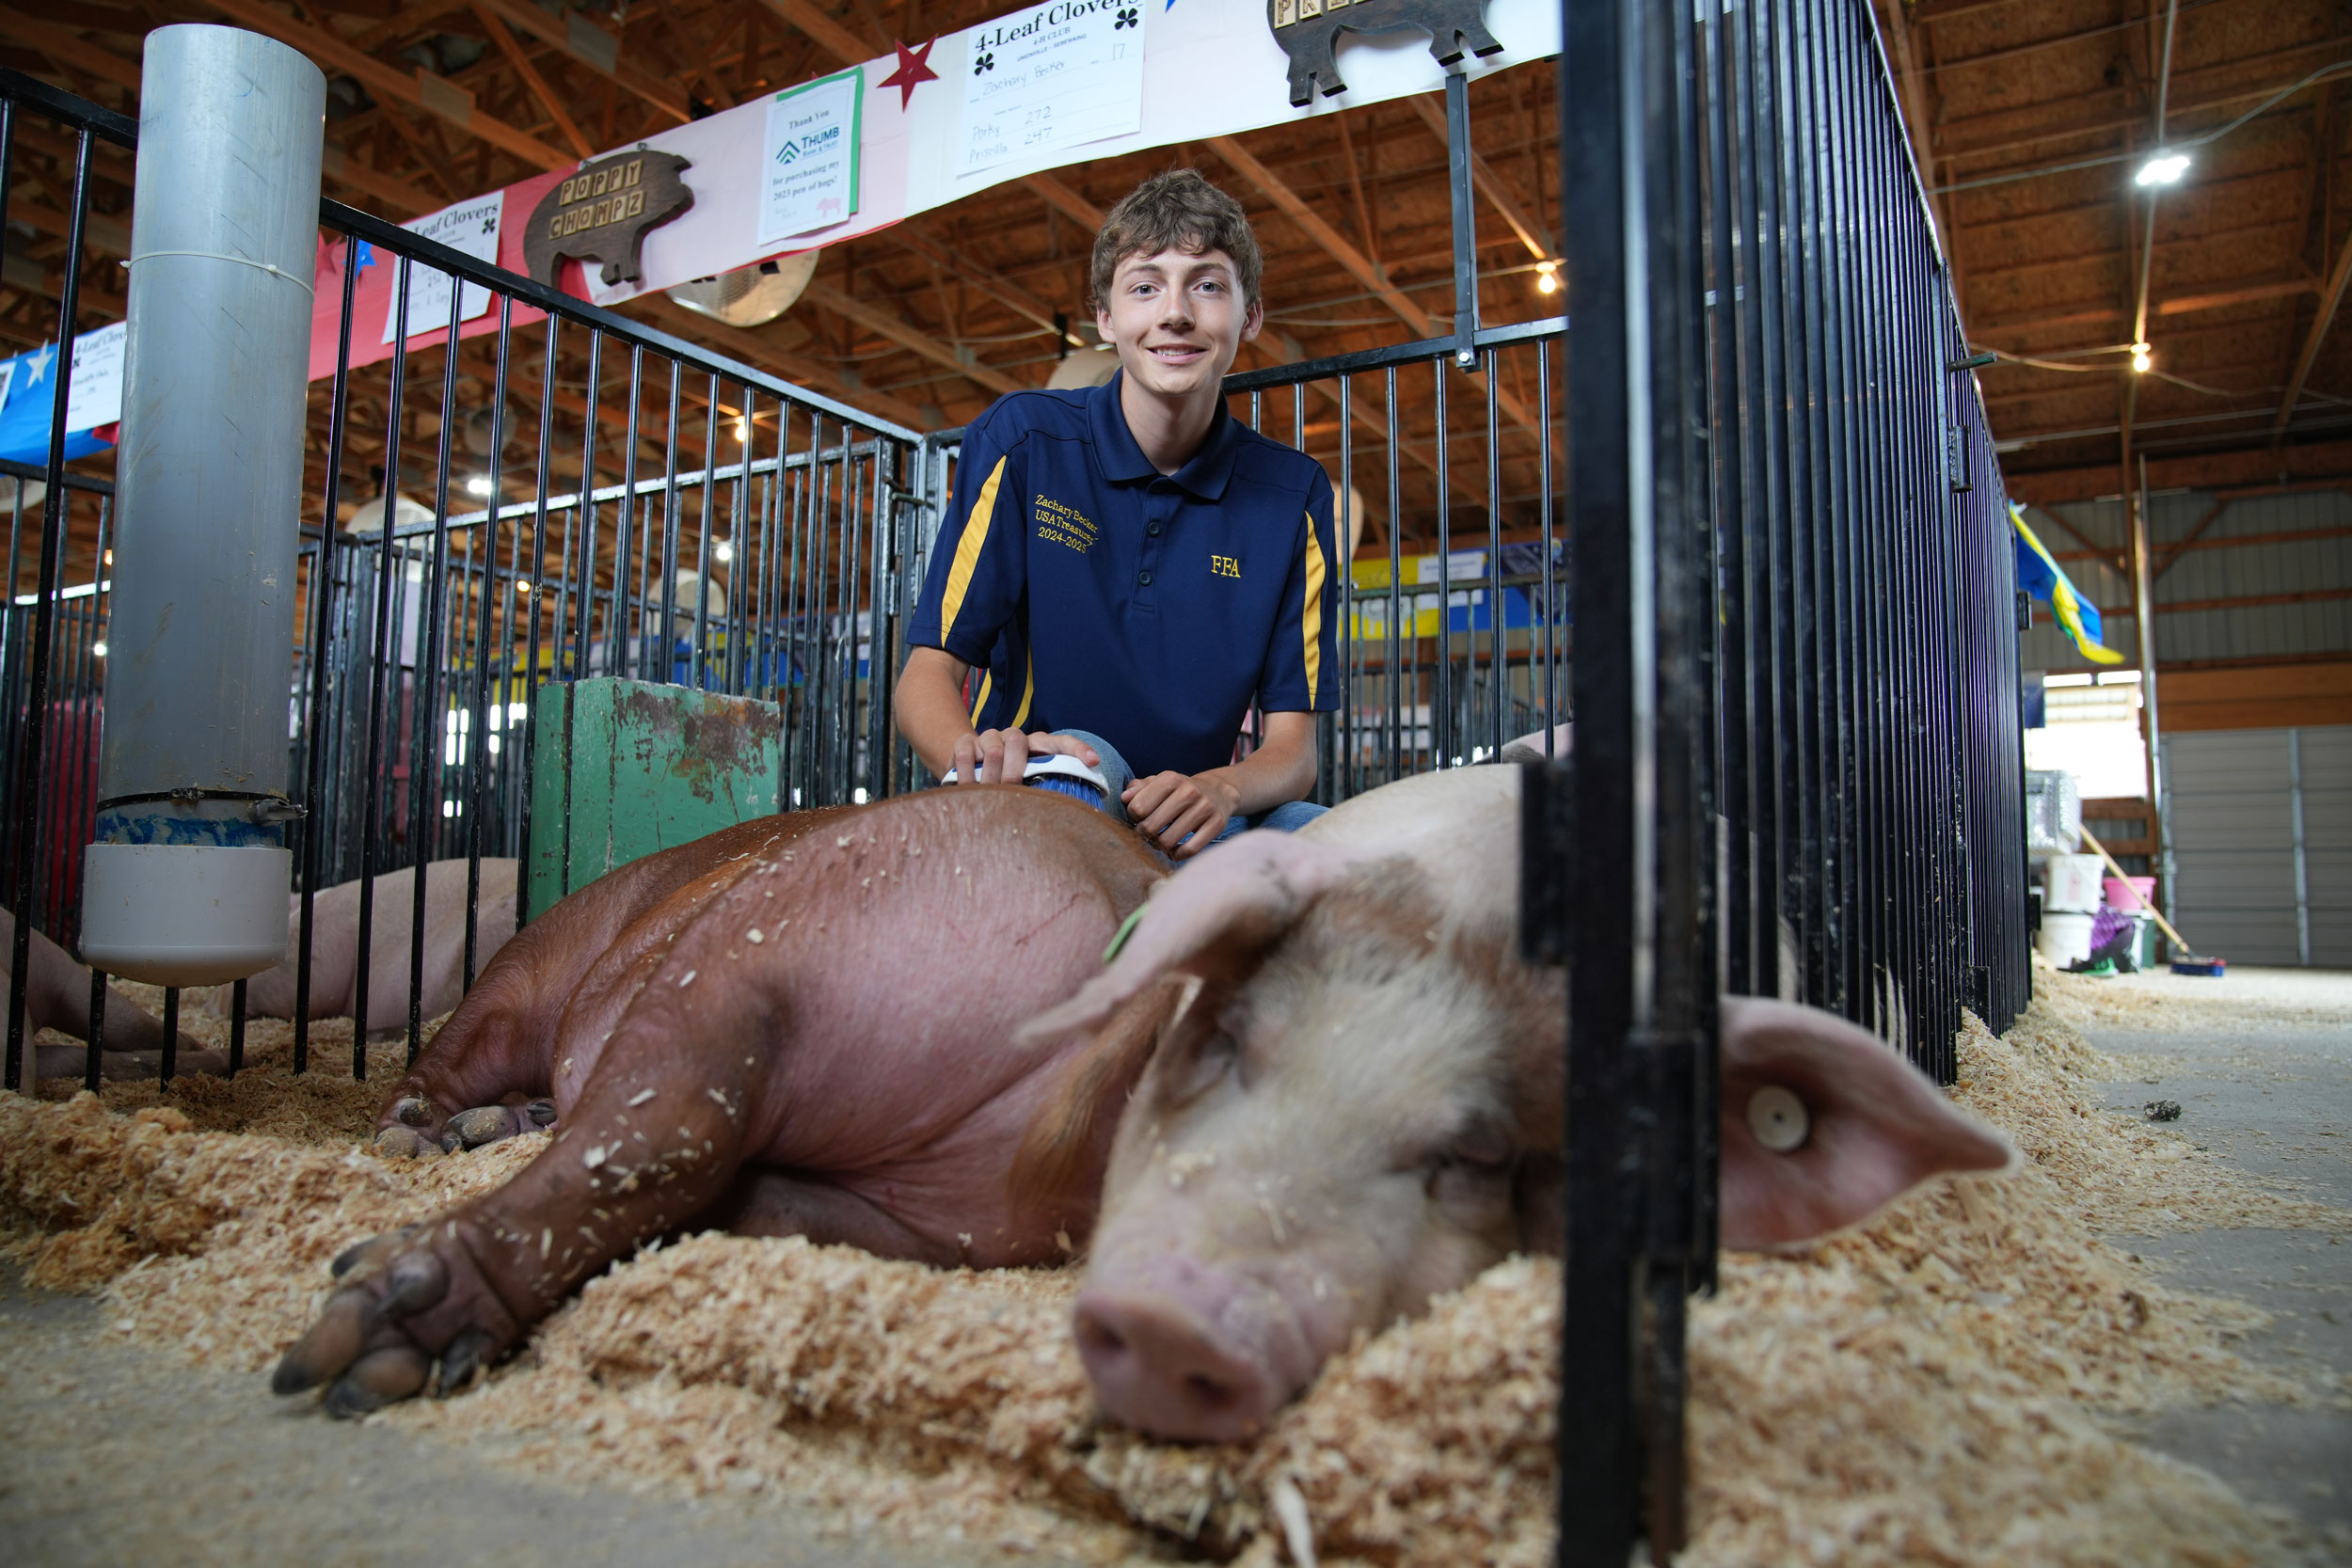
(2038, 574)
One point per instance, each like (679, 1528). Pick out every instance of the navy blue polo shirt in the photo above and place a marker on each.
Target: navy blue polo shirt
(1097, 594)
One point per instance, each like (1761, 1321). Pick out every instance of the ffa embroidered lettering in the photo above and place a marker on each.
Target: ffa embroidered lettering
(1224, 566)
(1063, 524)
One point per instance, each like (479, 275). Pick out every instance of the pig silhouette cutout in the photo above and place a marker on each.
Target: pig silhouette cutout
(1308, 29)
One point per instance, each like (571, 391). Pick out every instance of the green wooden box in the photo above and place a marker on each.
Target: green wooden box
(621, 769)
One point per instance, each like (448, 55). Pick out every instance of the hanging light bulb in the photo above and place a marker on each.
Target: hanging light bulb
(743, 431)
(2141, 360)
(2164, 168)
(722, 552)
(1548, 277)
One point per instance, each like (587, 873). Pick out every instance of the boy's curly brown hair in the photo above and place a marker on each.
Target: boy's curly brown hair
(1177, 209)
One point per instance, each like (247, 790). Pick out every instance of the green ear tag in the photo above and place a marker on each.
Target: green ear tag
(1119, 938)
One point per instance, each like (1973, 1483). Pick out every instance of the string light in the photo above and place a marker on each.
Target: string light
(2140, 358)
(1548, 277)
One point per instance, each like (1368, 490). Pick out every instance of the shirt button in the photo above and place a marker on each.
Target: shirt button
(1144, 578)
(1152, 527)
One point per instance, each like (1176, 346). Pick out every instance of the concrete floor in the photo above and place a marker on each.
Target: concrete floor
(120, 1456)
(2271, 1092)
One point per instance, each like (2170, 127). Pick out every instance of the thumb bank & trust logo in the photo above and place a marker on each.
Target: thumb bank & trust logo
(791, 151)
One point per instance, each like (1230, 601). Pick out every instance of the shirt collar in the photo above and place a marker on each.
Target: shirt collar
(1123, 461)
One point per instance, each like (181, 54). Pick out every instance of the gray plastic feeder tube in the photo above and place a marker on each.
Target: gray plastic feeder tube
(188, 881)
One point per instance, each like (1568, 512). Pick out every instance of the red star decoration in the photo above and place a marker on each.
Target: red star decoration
(913, 68)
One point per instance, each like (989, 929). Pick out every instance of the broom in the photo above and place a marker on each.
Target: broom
(2184, 960)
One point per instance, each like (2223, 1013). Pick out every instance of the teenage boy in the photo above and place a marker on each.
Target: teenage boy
(1129, 566)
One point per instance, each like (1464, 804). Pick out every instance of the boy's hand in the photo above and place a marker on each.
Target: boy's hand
(999, 756)
(1181, 812)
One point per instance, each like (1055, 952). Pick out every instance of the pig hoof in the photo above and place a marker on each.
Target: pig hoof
(541, 1112)
(399, 1143)
(412, 1111)
(485, 1124)
(452, 1142)
(403, 1301)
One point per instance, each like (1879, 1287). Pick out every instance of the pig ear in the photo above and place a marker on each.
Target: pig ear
(1822, 1125)
(1241, 895)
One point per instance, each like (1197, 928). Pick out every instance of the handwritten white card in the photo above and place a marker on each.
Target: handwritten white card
(1057, 76)
(808, 169)
(472, 227)
(95, 396)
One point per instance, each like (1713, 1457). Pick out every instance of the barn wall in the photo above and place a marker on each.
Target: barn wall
(2261, 827)
(2254, 619)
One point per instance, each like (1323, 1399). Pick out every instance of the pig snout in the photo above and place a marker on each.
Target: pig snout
(1183, 1349)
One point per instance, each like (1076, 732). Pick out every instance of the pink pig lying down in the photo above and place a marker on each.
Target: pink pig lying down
(57, 996)
(335, 951)
(1314, 1088)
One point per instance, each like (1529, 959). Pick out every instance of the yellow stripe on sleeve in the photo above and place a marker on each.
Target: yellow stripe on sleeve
(980, 705)
(968, 551)
(1028, 692)
(1310, 620)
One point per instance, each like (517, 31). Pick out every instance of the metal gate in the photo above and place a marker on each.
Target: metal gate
(602, 499)
(1798, 759)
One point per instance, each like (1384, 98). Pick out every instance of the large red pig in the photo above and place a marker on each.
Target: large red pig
(1334, 1089)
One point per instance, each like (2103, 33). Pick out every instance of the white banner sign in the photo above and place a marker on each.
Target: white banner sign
(1057, 77)
(472, 227)
(95, 397)
(810, 157)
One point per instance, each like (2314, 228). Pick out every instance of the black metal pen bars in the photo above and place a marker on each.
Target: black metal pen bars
(1798, 760)
(663, 513)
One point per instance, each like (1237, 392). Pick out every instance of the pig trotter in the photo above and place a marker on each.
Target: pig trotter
(485, 1124)
(399, 1141)
(412, 1110)
(541, 1112)
(404, 1300)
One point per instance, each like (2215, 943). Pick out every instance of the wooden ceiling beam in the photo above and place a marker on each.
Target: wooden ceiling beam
(2010, 134)
(338, 163)
(885, 324)
(1064, 201)
(2329, 299)
(434, 94)
(1334, 244)
(63, 44)
(586, 44)
(993, 285)
(512, 48)
(1489, 184)
(2183, 304)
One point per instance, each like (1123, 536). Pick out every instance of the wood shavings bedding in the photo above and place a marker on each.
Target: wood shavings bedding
(1926, 1389)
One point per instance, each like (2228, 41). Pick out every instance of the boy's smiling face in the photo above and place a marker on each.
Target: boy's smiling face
(1177, 320)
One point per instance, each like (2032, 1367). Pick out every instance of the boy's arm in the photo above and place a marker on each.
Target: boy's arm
(1166, 807)
(928, 700)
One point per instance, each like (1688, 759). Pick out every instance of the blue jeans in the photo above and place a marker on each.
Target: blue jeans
(1288, 817)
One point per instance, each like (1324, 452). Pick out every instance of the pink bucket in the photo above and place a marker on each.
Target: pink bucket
(2129, 894)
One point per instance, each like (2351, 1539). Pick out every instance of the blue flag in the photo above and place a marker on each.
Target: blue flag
(2038, 574)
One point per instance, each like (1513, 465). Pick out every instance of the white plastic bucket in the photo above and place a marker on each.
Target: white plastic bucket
(2073, 883)
(2065, 936)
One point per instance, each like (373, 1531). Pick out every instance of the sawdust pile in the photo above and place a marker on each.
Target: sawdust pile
(1926, 1389)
